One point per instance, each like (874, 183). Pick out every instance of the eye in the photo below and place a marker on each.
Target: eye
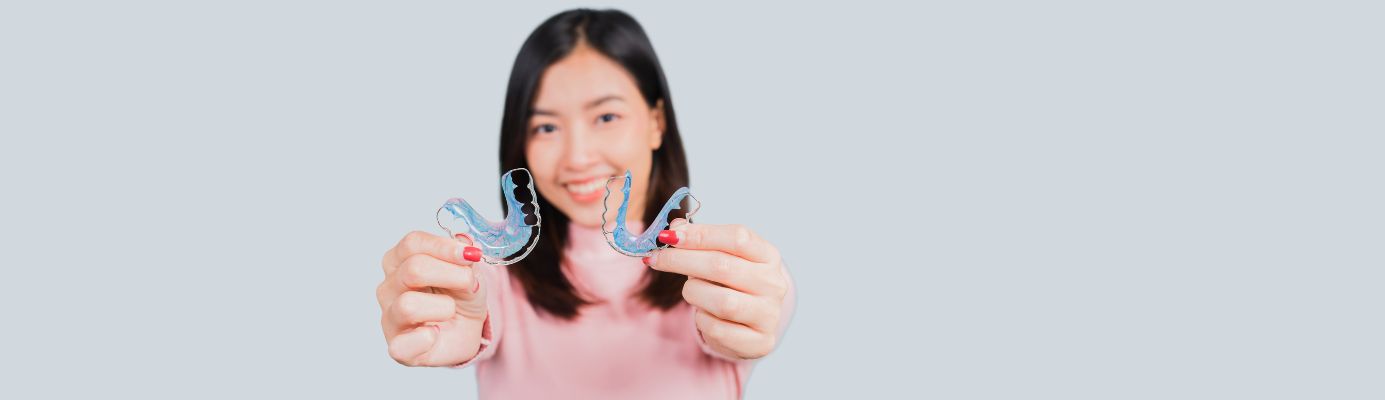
(607, 117)
(545, 128)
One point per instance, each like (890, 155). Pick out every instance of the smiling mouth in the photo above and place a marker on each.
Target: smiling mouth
(586, 190)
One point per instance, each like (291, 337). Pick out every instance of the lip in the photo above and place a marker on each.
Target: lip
(593, 189)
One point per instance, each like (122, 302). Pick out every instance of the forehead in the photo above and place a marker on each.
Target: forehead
(582, 76)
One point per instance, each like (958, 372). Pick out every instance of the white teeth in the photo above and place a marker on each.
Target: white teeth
(585, 188)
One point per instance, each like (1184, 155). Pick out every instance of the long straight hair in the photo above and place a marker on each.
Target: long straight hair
(618, 36)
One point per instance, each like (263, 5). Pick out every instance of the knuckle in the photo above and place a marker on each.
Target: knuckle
(411, 273)
(741, 236)
(398, 357)
(774, 257)
(413, 242)
(694, 235)
(450, 307)
(721, 268)
(409, 305)
(667, 257)
(414, 236)
(774, 314)
(381, 292)
(777, 286)
(714, 332)
(688, 288)
(763, 347)
(756, 349)
(731, 306)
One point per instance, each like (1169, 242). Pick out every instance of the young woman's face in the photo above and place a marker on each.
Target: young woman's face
(591, 123)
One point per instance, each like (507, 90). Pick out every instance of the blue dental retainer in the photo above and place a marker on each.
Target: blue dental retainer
(621, 238)
(504, 242)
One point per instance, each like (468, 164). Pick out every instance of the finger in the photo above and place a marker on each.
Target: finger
(731, 305)
(714, 266)
(422, 271)
(446, 249)
(409, 348)
(413, 308)
(738, 340)
(733, 239)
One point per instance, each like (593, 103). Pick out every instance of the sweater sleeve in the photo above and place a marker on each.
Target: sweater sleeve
(497, 292)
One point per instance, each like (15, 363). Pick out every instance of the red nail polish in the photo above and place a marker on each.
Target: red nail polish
(471, 254)
(668, 237)
(645, 260)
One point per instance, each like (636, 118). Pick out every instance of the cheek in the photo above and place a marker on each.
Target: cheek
(633, 144)
(542, 158)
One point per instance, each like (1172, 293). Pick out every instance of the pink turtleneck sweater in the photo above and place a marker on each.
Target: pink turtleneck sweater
(618, 348)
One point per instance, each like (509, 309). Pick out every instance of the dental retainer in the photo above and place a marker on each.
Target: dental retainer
(502, 242)
(621, 238)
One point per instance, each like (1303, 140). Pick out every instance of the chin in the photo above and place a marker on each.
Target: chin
(585, 216)
(589, 222)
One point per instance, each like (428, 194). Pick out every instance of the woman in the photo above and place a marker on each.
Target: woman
(587, 100)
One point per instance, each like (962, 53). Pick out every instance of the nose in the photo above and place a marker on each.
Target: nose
(579, 154)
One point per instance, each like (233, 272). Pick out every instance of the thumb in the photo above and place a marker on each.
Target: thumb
(472, 303)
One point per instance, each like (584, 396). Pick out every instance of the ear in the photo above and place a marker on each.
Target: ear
(656, 125)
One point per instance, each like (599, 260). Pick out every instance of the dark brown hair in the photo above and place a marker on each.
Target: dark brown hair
(617, 36)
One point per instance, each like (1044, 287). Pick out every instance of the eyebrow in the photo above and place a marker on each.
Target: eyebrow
(590, 105)
(604, 99)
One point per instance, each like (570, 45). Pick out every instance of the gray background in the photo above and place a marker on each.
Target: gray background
(1001, 200)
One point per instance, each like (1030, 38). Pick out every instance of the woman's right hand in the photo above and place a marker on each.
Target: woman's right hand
(432, 303)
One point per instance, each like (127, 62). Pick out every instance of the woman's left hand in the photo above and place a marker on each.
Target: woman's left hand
(736, 283)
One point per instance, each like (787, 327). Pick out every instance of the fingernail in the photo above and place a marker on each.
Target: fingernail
(677, 222)
(668, 237)
(471, 254)
(650, 259)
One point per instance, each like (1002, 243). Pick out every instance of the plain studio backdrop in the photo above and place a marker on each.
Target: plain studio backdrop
(999, 200)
